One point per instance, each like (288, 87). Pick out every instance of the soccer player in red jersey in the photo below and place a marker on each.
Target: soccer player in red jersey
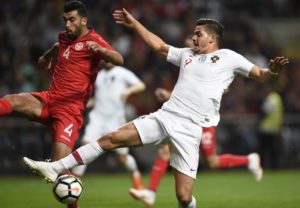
(207, 150)
(74, 61)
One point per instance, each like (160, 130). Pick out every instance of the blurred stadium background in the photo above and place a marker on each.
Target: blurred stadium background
(258, 29)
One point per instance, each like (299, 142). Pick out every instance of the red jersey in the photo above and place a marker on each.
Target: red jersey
(75, 72)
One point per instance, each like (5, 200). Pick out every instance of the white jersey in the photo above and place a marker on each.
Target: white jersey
(109, 86)
(202, 80)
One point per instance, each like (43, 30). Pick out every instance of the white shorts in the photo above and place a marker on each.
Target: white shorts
(98, 126)
(182, 134)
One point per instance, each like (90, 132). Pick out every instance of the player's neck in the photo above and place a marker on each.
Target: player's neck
(85, 31)
(210, 49)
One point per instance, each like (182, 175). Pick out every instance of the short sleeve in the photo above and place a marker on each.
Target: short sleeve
(243, 66)
(102, 42)
(174, 55)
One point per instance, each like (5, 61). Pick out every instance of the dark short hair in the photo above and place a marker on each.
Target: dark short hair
(76, 5)
(212, 26)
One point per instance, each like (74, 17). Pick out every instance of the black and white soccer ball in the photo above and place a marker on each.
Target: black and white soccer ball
(67, 189)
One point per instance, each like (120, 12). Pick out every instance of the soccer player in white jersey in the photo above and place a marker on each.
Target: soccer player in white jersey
(205, 72)
(113, 86)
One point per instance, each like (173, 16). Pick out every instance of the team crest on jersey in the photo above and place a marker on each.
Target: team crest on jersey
(78, 46)
(214, 59)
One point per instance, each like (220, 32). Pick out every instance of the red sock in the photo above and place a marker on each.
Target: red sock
(158, 171)
(72, 205)
(5, 107)
(229, 161)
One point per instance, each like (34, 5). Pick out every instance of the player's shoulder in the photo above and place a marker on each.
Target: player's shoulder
(186, 50)
(228, 52)
(63, 37)
(121, 69)
(95, 36)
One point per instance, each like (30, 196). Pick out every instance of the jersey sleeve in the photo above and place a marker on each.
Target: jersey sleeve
(102, 42)
(174, 55)
(242, 65)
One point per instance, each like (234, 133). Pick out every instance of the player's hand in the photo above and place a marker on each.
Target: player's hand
(125, 95)
(44, 63)
(94, 47)
(278, 64)
(162, 94)
(124, 18)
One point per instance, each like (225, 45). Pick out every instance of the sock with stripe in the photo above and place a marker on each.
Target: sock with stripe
(82, 155)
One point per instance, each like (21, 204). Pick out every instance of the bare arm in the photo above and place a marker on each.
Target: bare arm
(156, 43)
(136, 88)
(111, 56)
(45, 61)
(276, 65)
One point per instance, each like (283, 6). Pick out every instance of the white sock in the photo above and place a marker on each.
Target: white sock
(82, 155)
(130, 163)
(192, 204)
(79, 170)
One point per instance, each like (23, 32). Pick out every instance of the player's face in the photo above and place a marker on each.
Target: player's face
(74, 24)
(201, 39)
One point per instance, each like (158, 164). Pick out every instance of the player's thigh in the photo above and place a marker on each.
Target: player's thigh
(184, 146)
(60, 150)
(66, 128)
(125, 136)
(150, 129)
(26, 104)
(183, 185)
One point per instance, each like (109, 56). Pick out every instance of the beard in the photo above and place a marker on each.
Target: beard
(74, 35)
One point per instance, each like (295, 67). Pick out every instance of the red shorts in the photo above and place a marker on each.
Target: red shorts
(208, 141)
(65, 125)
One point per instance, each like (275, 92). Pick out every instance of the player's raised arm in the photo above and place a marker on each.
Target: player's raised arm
(136, 88)
(111, 56)
(276, 65)
(45, 61)
(156, 43)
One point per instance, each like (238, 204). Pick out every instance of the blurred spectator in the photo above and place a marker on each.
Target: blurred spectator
(270, 128)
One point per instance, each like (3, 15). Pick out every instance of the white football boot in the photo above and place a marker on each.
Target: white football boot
(255, 167)
(144, 195)
(42, 168)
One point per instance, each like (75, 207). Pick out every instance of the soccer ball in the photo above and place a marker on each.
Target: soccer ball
(67, 189)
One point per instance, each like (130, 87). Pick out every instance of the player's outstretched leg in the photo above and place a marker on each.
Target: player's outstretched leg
(254, 166)
(50, 171)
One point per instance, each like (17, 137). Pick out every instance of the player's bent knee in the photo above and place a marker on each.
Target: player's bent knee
(122, 157)
(212, 162)
(12, 98)
(184, 196)
(212, 165)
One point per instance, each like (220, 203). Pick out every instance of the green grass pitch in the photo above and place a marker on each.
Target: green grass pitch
(213, 189)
